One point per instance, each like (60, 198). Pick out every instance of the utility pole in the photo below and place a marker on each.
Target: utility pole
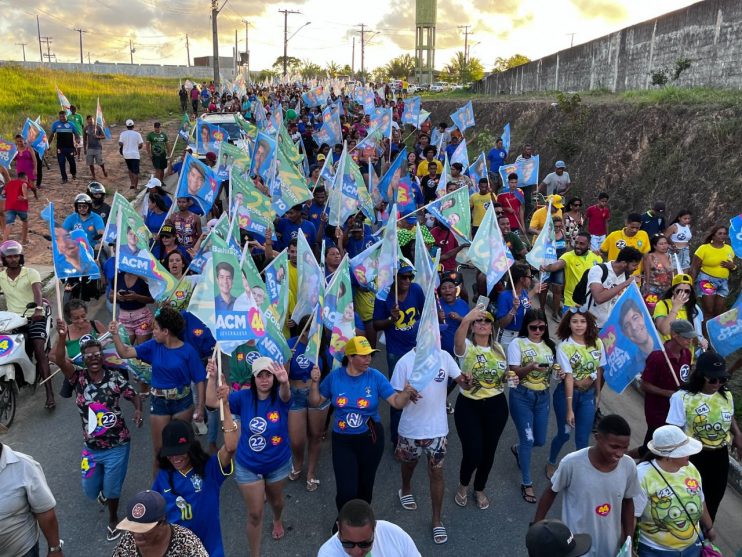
(81, 31)
(188, 52)
(132, 50)
(466, 41)
(23, 46)
(353, 58)
(572, 39)
(48, 42)
(285, 35)
(215, 39)
(88, 57)
(363, 32)
(38, 33)
(247, 49)
(236, 53)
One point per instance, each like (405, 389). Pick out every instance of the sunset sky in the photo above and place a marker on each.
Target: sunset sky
(158, 28)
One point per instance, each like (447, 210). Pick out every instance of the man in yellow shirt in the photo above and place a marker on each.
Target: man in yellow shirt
(538, 220)
(574, 263)
(479, 202)
(422, 168)
(630, 235)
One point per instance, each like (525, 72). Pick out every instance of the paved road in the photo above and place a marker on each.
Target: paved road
(54, 439)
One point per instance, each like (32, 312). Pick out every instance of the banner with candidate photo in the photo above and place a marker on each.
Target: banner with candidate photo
(276, 275)
(263, 155)
(427, 364)
(735, 234)
(209, 137)
(100, 122)
(411, 111)
(331, 131)
(35, 136)
(72, 255)
(255, 284)
(289, 186)
(8, 151)
(488, 251)
(198, 182)
(463, 118)
(526, 169)
(629, 336)
(235, 159)
(477, 171)
(316, 96)
(451, 211)
(251, 207)
(725, 330)
(338, 313)
(311, 280)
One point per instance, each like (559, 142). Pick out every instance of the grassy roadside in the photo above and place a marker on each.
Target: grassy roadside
(32, 93)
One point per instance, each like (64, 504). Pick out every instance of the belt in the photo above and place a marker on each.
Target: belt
(176, 393)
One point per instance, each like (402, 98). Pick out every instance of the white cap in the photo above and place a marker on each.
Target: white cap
(129, 123)
(153, 183)
(671, 442)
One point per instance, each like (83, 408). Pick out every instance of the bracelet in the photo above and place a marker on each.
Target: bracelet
(569, 398)
(232, 429)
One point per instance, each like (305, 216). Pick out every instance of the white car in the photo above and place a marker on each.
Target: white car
(438, 87)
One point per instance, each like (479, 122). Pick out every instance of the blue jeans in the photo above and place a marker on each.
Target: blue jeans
(530, 412)
(646, 551)
(394, 414)
(106, 471)
(583, 405)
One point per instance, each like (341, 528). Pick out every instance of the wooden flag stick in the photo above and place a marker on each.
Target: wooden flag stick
(218, 356)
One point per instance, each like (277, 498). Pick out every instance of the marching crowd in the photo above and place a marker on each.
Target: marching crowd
(498, 353)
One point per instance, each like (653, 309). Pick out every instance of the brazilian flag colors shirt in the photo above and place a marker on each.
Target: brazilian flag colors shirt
(707, 418)
(664, 522)
(522, 352)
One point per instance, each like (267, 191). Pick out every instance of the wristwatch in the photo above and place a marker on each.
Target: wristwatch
(57, 548)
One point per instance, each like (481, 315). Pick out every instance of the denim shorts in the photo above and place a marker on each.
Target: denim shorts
(557, 277)
(161, 406)
(300, 400)
(245, 476)
(104, 470)
(706, 285)
(10, 216)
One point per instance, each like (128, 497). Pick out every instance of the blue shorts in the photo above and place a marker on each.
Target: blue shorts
(104, 470)
(706, 285)
(557, 277)
(161, 406)
(245, 476)
(11, 215)
(300, 400)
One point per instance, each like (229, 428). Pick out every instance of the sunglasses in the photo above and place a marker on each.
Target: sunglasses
(717, 380)
(480, 321)
(576, 204)
(499, 213)
(687, 290)
(91, 355)
(534, 328)
(406, 277)
(361, 545)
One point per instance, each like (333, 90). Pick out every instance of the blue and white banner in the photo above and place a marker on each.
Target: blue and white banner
(735, 234)
(526, 169)
(411, 111)
(8, 151)
(725, 330)
(463, 118)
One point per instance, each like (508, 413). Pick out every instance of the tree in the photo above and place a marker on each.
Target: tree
(461, 70)
(400, 67)
(379, 74)
(292, 63)
(346, 70)
(310, 70)
(502, 64)
(262, 75)
(332, 68)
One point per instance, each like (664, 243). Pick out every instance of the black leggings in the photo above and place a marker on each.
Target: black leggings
(355, 459)
(713, 464)
(479, 424)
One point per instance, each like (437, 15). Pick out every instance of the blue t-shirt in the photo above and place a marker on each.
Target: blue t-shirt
(505, 304)
(356, 246)
(287, 230)
(300, 368)
(448, 330)
(496, 158)
(264, 439)
(197, 335)
(402, 337)
(171, 367)
(314, 213)
(91, 225)
(158, 253)
(356, 399)
(192, 500)
(154, 221)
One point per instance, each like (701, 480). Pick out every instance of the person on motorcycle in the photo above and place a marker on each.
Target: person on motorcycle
(22, 288)
(97, 193)
(85, 219)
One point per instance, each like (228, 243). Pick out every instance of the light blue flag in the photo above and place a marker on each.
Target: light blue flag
(198, 182)
(463, 118)
(263, 155)
(735, 234)
(488, 251)
(526, 169)
(382, 121)
(8, 151)
(388, 256)
(35, 136)
(390, 180)
(506, 137)
(331, 131)
(428, 349)
(411, 111)
(275, 121)
(477, 171)
(260, 115)
(368, 101)
(461, 155)
(315, 97)
(628, 336)
(725, 330)
(544, 250)
(311, 282)
(209, 137)
(365, 266)
(425, 269)
(71, 252)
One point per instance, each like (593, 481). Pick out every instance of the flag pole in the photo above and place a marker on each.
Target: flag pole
(218, 356)
(116, 265)
(304, 330)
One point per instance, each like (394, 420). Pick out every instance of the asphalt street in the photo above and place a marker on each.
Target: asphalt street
(55, 440)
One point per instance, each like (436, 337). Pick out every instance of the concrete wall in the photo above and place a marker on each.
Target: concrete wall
(708, 33)
(143, 70)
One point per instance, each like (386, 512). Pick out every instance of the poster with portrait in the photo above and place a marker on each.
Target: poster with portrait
(8, 151)
(262, 155)
(199, 182)
(249, 206)
(35, 136)
(209, 137)
(73, 256)
(232, 157)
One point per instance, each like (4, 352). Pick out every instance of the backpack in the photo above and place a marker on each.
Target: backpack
(581, 292)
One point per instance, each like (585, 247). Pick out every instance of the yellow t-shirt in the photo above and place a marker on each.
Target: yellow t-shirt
(711, 258)
(574, 268)
(617, 240)
(422, 168)
(663, 309)
(479, 204)
(18, 292)
(522, 352)
(538, 219)
(488, 369)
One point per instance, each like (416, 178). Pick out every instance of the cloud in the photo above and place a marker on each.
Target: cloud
(610, 10)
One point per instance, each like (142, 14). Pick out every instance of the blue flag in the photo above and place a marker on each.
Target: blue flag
(8, 151)
(477, 171)
(526, 169)
(262, 156)
(463, 118)
(461, 155)
(209, 137)
(544, 250)
(388, 256)
(735, 234)
(331, 131)
(35, 136)
(315, 97)
(506, 137)
(411, 112)
(428, 349)
(725, 330)
(488, 251)
(198, 182)
(71, 252)
(390, 180)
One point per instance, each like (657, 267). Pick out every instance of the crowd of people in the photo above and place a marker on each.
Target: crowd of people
(517, 352)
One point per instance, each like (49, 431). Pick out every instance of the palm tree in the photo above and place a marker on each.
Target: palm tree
(332, 68)
(400, 67)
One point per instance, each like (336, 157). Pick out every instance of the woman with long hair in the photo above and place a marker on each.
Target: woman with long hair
(658, 270)
(573, 220)
(710, 268)
(514, 302)
(156, 213)
(581, 356)
(680, 234)
(678, 302)
(482, 410)
(166, 243)
(176, 264)
(530, 357)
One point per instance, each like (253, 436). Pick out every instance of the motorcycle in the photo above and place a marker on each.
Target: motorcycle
(17, 367)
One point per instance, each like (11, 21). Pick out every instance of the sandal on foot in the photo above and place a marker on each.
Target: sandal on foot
(514, 450)
(482, 502)
(407, 501)
(278, 531)
(461, 500)
(113, 534)
(101, 498)
(294, 474)
(439, 535)
(527, 497)
(50, 405)
(312, 484)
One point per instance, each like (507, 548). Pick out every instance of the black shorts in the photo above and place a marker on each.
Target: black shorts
(160, 162)
(132, 165)
(37, 329)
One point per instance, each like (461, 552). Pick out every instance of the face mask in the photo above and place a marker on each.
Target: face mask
(429, 222)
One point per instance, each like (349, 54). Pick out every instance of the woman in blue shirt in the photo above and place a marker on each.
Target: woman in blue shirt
(512, 310)
(354, 390)
(156, 213)
(263, 459)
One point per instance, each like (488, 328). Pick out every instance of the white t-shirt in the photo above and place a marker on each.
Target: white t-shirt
(602, 311)
(556, 184)
(427, 418)
(389, 541)
(131, 141)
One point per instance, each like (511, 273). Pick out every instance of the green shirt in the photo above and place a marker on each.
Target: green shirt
(158, 142)
(240, 365)
(76, 120)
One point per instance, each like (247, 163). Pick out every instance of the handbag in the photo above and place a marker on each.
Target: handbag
(708, 549)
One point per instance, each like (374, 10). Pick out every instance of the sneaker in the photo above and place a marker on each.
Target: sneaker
(66, 390)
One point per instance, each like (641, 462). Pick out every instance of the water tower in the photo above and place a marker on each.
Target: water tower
(425, 15)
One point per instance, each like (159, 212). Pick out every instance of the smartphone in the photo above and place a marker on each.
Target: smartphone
(123, 292)
(544, 366)
(483, 302)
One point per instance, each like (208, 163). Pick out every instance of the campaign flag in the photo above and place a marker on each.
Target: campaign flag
(424, 115)
(374, 140)
(506, 137)
(257, 287)
(249, 129)
(185, 128)
(625, 550)
(390, 180)
(314, 336)
(198, 182)
(316, 96)
(428, 349)
(201, 305)
(232, 158)
(735, 234)
(276, 283)
(331, 131)
(229, 231)
(289, 148)
(260, 115)
(629, 336)
(35, 136)
(338, 313)
(263, 155)
(132, 250)
(209, 137)
(348, 193)
(275, 120)
(544, 250)
(463, 118)
(249, 206)
(388, 256)
(382, 121)
(411, 111)
(311, 286)
(425, 270)
(452, 210)
(725, 330)
(71, 252)
(237, 316)
(100, 121)
(63, 102)
(368, 100)
(8, 151)
(488, 251)
(365, 266)
(461, 154)
(477, 171)
(440, 189)
(373, 185)
(526, 169)
(289, 186)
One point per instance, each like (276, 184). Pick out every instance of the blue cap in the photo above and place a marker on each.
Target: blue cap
(560, 164)
(405, 269)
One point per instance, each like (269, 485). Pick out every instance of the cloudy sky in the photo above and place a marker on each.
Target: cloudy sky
(158, 28)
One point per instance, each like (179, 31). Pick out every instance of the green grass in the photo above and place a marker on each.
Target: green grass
(32, 93)
(683, 95)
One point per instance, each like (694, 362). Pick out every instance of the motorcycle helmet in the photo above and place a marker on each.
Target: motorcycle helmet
(96, 188)
(82, 199)
(11, 247)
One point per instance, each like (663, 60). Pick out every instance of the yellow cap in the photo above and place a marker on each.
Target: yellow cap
(556, 201)
(358, 346)
(682, 278)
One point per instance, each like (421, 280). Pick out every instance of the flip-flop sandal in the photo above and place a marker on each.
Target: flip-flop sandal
(439, 535)
(101, 499)
(312, 484)
(460, 500)
(527, 497)
(407, 501)
(278, 534)
(294, 474)
(113, 534)
(482, 502)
